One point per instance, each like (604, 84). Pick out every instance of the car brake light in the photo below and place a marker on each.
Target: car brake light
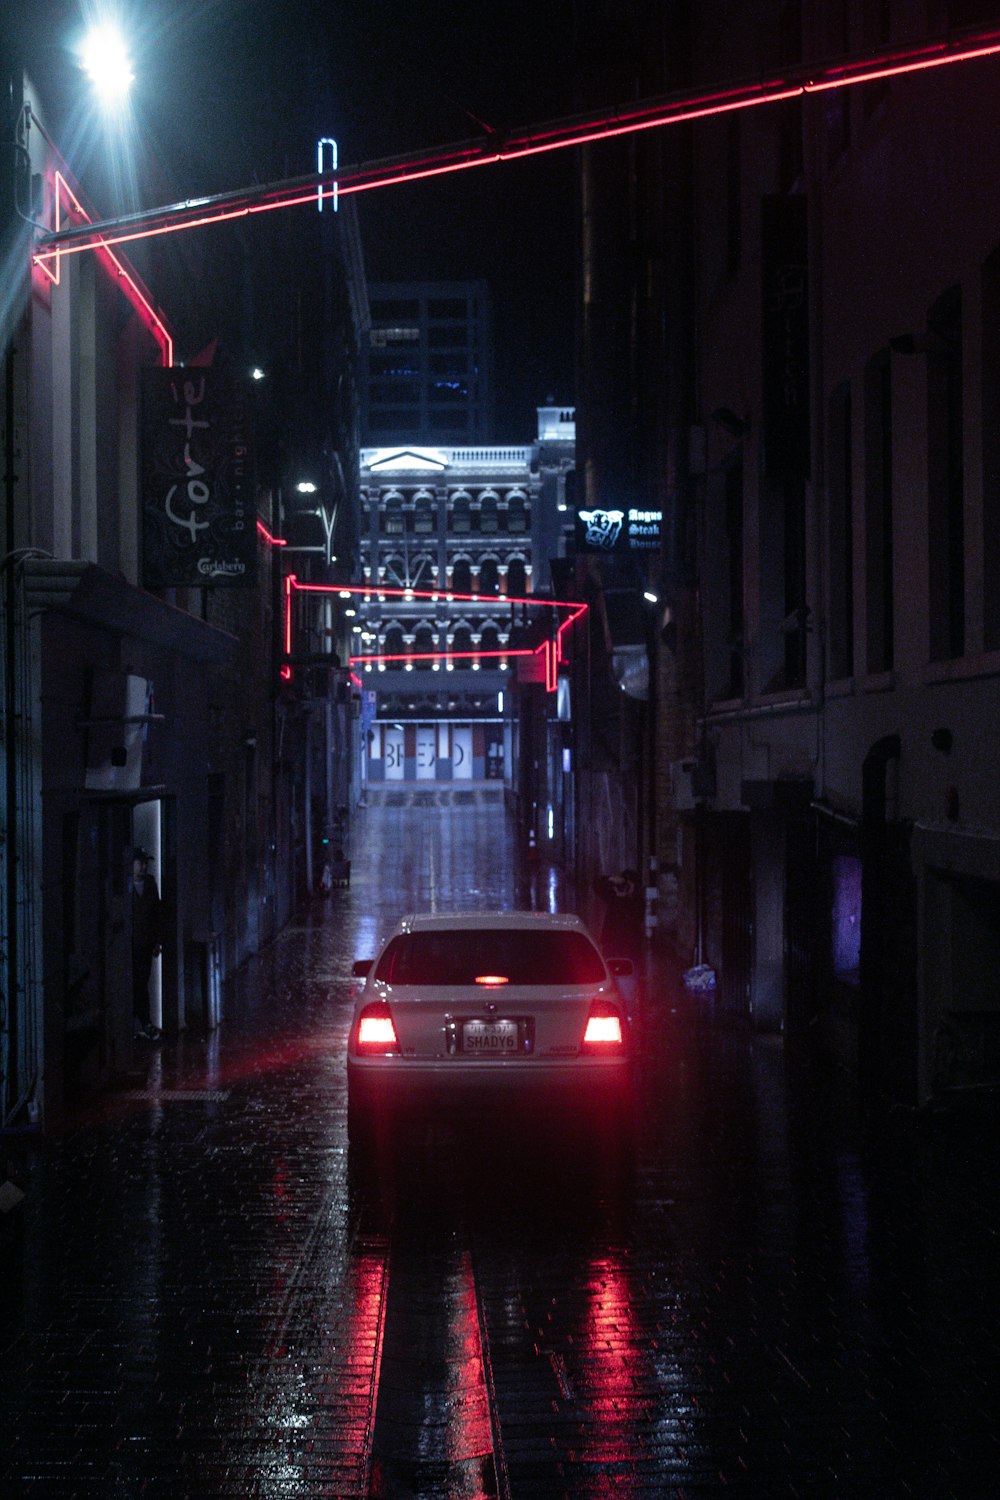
(604, 1028)
(376, 1033)
(492, 979)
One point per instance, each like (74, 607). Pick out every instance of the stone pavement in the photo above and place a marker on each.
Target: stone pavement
(778, 1299)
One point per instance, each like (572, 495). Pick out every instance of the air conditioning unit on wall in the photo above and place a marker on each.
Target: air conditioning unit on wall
(691, 781)
(683, 775)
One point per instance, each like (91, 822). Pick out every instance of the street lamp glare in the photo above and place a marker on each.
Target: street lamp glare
(106, 62)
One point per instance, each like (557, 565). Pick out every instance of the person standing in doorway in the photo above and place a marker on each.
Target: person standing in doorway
(147, 936)
(623, 928)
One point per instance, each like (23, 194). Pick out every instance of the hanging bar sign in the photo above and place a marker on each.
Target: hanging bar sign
(198, 508)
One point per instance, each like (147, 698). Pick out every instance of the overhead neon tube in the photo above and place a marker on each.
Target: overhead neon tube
(557, 135)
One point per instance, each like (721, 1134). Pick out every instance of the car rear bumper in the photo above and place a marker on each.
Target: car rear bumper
(444, 1085)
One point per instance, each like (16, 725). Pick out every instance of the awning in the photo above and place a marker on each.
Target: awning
(89, 593)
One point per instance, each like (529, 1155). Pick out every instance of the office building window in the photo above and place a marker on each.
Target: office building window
(447, 307)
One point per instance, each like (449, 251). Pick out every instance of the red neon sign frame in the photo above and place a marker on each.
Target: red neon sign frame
(131, 288)
(552, 651)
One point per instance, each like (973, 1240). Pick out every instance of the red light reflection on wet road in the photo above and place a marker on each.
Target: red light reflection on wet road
(353, 1378)
(470, 1435)
(603, 1375)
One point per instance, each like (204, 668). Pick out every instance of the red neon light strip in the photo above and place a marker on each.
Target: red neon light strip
(560, 654)
(447, 655)
(132, 290)
(440, 596)
(552, 650)
(286, 671)
(551, 137)
(273, 541)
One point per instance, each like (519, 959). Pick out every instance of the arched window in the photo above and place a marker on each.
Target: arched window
(423, 645)
(395, 571)
(462, 642)
(392, 516)
(461, 514)
(393, 644)
(489, 576)
(423, 568)
(490, 641)
(423, 515)
(517, 578)
(489, 520)
(461, 576)
(517, 513)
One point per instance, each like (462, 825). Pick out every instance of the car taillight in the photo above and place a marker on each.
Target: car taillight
(376, 1033)
(604, 1032)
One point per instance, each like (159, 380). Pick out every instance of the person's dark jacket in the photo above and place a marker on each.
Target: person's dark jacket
(624, 915)
(147, 916)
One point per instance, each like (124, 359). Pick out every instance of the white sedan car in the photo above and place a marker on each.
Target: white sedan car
(498, 1009)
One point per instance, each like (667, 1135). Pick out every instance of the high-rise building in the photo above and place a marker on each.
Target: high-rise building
(428, 359)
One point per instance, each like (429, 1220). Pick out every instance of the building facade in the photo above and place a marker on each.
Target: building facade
(428, 364)
(457, 547)
(829, 674)
(144, 698)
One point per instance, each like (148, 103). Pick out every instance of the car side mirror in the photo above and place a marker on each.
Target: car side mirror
(621, 968)
(361, 967)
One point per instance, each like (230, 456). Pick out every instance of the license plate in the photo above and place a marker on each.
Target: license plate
(489, 1037)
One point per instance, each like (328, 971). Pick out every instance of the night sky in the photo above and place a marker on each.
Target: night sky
(229, 92)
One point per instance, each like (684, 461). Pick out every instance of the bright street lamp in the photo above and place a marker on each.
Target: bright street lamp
(106, 62)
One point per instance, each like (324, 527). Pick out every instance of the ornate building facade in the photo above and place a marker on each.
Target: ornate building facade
(458, 544)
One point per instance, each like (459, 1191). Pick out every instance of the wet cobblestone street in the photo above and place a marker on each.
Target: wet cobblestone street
(771, 1301)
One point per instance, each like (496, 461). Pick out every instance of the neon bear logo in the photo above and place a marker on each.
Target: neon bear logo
(603, 527)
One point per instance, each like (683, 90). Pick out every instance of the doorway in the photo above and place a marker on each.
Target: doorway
(147, 833)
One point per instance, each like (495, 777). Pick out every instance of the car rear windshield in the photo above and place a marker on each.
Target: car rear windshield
(465, 955)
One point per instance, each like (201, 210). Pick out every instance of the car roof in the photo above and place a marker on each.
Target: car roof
(490, 920)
